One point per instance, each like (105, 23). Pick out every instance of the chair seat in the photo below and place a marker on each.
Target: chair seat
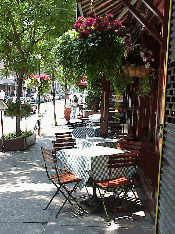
(113, 183)
(66, 178)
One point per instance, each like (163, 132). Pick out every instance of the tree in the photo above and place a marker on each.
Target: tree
(26, 27)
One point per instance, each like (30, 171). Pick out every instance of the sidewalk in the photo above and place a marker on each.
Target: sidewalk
(25, 191)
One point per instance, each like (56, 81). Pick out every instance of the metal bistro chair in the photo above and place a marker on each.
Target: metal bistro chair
(60, 179)
(121, 172)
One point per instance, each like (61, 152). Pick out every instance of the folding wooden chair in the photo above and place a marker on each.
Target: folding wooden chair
(121, 172)
(60, 179)
(132, 146)
(63, 135)
(124, 136)
(63, 144)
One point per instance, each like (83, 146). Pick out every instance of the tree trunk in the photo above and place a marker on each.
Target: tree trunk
(65, 93)
(53, 88)
(20, 79)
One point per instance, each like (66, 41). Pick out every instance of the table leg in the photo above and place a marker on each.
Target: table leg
(94, 190)
(92, 201)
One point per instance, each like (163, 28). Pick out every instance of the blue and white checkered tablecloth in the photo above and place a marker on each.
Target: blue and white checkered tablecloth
(83, 132)
(79, 161)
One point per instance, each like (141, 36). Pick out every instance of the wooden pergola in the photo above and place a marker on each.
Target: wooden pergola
(147, 19)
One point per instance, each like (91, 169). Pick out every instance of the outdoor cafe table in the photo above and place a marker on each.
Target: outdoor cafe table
(83, 132)
(80, 160)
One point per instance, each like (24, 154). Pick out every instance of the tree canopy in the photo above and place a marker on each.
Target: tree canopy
(28, 31)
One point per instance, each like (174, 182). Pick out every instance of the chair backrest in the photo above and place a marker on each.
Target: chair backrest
(132, 146)
(122, 160)
(125, 136)
(50, 161)
(63, 135)
(127, 162)
(114, 166)
(63, 144)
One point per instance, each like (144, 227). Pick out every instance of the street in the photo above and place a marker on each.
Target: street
(9, 124)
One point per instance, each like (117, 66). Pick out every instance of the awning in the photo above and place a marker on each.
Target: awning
(135, 14)
(6, 81)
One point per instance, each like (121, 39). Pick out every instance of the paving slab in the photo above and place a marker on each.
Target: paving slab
(21, 228)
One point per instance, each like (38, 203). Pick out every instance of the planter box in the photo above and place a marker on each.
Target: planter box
(18, 144)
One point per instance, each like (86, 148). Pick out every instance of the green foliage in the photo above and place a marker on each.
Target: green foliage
(18, 109)
(146, 83)
(92, 56)
(28, 28)
(92, 98)
(11, 136)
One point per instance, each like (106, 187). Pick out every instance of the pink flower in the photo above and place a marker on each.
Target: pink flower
(98, 20)
(110, 17)
(81, 19)
(89, 22)
(106, 23)
(76, 25)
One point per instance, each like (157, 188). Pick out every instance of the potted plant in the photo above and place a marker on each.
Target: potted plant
(11, 141)
(137, 60)
(14, 143)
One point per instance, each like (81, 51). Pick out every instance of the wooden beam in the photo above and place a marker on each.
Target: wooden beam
(142, 20)
(154, 10)
(125, 10)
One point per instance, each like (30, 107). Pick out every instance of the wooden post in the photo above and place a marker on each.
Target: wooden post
(105, 107)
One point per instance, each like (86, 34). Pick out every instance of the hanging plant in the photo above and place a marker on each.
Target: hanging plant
(135, 54)
(93, 48)
(41, 82)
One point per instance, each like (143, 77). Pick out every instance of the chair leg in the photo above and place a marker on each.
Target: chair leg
(52, 198)
(104, 206)
(70, 198)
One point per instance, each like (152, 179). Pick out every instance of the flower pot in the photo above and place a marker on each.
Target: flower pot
(18, 144)
(136, 70)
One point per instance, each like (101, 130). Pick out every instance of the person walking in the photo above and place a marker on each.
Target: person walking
(80, 104)
(74, 106)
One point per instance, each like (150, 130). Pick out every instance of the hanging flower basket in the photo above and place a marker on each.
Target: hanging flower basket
(134, 70)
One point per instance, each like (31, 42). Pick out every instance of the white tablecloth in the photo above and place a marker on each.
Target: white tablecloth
(79, 161)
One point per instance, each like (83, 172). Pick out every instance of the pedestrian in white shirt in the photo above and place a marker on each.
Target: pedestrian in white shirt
(74, 106)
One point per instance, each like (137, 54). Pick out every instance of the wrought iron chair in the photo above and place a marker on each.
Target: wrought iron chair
(60, 178)
(120, 179)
